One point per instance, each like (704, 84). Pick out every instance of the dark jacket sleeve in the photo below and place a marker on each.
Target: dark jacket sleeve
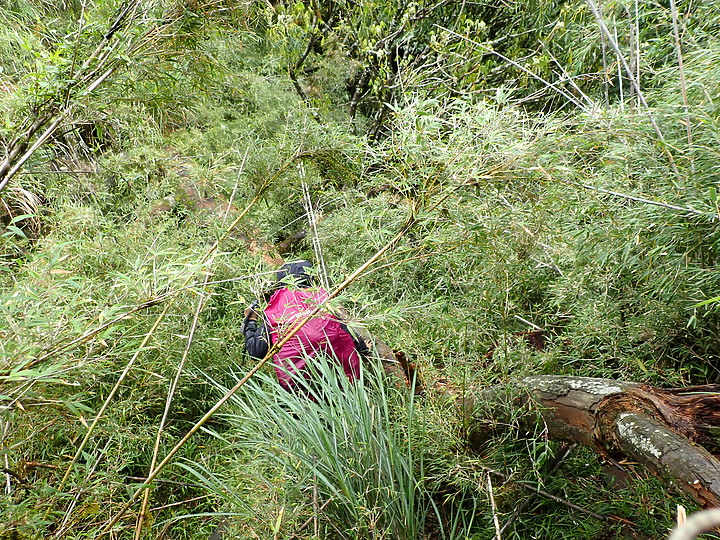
(360, 345)
(257, 338)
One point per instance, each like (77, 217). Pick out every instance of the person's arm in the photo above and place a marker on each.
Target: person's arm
(257, 337)
(360, 345)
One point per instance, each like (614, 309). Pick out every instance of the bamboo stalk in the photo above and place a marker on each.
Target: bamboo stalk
(139, 307)
(681, 68)
(312, 223)
(168, 404)
(637, 41)
(10, 167)
(634, 82)
(603, 42)
(111, 395)
(570, 79)
(619, 76)
(552, 86)
(5, 425)
(493, 508)
(65, 525)
(15, 167)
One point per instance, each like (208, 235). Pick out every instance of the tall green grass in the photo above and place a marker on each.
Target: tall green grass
(356, 448)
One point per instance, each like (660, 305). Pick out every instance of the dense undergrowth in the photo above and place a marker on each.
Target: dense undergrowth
(530, 212)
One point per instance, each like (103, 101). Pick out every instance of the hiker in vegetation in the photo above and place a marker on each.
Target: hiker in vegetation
(293, 298)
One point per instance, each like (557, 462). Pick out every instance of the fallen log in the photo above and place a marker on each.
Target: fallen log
(673, 432)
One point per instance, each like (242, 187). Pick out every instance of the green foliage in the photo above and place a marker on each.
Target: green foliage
(457, 105)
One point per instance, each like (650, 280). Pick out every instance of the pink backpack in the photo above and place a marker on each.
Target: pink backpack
(321, 334)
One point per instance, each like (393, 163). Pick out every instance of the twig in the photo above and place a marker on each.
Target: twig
(624, 195)
(312, 222)
(619, 75)
(605, 65)
(569, 504)
(8, 473)
(234, 190)
(628, 71)
(293, 69)
(53, 110)
(37, 465)
(681, 515)
(562, 454)
(311, 519)
(168, 404)
(496, 522)
(569, 78)
(64, 526)
(553, 86)
(186, 501)
(573, 505)
(29, 152)
(139, 307)
(162, 481)
(417, 257)
(316, 528)
(564, 502)
(637, 41)
(530, 324)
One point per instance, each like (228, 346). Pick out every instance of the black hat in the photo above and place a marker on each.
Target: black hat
(295, 272)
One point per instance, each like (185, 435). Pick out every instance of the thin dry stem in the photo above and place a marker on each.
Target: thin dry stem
(624, 195)
(66, 524)
(493, 508)
(635, 83)
(168, 404)
(681, 68)
(312, 222)
(112, 393)
(139, 307)
(552, 86)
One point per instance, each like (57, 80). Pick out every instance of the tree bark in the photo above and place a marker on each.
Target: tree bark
(673, 432)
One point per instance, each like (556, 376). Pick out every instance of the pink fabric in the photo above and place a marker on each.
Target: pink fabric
(321, 334)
